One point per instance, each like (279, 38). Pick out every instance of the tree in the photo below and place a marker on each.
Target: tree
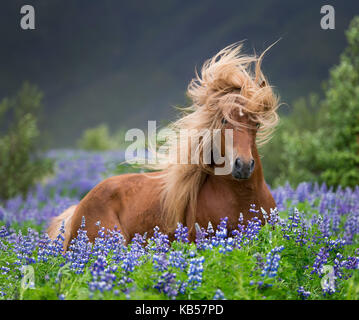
(342, 103)
(20, 164)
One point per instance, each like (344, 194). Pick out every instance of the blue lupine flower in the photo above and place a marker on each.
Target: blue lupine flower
(167, 284)
(79, 251)
(160, 261)
(253, 209)
(181, 233)
(160, 241)
(320, 260)
(219, 295)
(304, 294)
(195, 272)
(3, 232)
(177, 260)
(272, 262)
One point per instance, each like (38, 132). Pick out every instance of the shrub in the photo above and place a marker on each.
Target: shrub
(319, 140)
(100, 139)
(96, 139)
(295, 152)
(20, 164)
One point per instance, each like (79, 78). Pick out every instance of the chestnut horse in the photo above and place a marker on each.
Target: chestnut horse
(231, 92)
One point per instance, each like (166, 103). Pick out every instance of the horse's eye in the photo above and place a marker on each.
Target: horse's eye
(258, 125)
(224, 120)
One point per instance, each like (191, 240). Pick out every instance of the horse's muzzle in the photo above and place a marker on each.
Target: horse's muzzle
(242, 170)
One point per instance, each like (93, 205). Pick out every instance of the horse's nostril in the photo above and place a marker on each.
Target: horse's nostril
(238, 162)
(252, 165)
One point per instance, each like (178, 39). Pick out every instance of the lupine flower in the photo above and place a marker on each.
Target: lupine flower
(160, 261)
(272, 263)
(177, 260)
(351, 263)
(253, 209)
(202, 242)
(103, 275)
(3, 232)
(79, 250)
(195, 271)
(320, 260)
(219, 295)
(181, 233)
(265, 214)
(210, 229)
(160, 242)
(132, 257)
(273, 216)
(304, 294)
(167, 284)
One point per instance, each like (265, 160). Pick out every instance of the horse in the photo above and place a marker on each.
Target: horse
(230, 93)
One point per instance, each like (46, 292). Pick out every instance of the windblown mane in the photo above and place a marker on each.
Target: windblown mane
(228, 81)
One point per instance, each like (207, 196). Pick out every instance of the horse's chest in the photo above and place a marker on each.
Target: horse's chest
(216, 202)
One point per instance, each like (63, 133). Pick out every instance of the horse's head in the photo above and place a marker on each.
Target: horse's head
(233, 93)
(244, 131)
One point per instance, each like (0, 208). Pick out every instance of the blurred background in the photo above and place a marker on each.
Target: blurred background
(92, 69)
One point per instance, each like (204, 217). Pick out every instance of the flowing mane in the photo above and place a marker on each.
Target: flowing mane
(228, 81)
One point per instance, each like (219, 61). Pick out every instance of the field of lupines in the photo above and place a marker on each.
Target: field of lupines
(307, 250)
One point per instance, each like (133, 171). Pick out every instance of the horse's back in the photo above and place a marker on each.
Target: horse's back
(115, 202)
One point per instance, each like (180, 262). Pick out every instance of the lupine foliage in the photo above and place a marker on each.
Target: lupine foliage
(308, 249)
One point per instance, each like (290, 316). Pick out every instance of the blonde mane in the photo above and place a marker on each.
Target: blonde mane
(228, 81)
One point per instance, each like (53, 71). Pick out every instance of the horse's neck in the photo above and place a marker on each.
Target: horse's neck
(258, 169)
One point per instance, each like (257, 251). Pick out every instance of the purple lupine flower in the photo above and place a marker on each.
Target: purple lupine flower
(253, 209)
(160, 261)
(3, 232)
(351, 263)
(160, 241)
(167, 284)
(219, 295)
(195, 272)
(272, 263)
(320, 260)
(273, 216)
(103, 275)
(210, 229)
(177, 260)
(79, 250)
(202, 242)
(181, 233)
(302, 293)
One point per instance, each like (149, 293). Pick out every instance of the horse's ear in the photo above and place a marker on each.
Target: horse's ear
(263, 84)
